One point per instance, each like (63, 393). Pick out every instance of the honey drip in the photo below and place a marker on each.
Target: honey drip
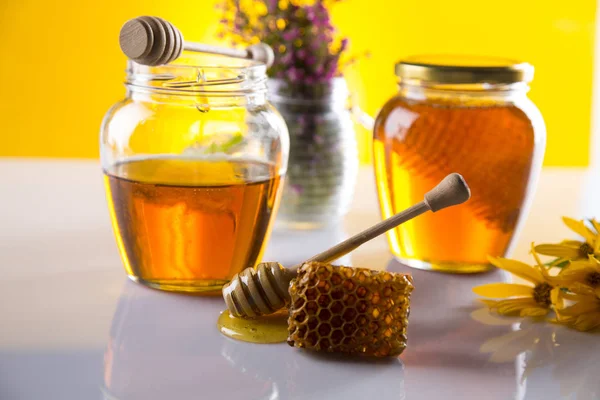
(491, 144)
(264, 329)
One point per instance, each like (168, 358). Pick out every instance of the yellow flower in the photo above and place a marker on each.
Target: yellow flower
(574, 249)
(584, 314)
(522, 300)
(582, 272)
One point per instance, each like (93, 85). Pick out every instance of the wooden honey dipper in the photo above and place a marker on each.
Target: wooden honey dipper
(264, 289)
(154, 41)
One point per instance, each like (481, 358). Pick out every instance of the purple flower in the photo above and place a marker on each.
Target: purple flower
(344, 44)
(272, 5)
(287, 58)
(290, 35)
(292, 74)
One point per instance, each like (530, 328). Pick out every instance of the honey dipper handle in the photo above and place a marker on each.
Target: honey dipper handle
(352, 243)
(452, 190)
(224, 51)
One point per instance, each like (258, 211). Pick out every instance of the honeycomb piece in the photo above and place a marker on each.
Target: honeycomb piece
(349, 310)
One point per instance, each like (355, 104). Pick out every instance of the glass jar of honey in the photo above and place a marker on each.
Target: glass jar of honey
(468, 115)
(193, 159)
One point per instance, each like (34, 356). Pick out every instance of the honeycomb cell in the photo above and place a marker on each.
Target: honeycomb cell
(349, 315)
(323, 300)
(300, 316)
(336, 321)
(311, 339)
(336, 307)
(324, 315)
(349, 310)
(336, 279)
(376, 298)
(373, 327)
(389, 303)
(349, 300)
(361, 291)
(323, 273)
(299, 303)
(311, 294)
(311, 307)
(375, 313)
(301, 332)
(324, 329)
(387, 318)
(349, 285)
(337, 336)
(362, 306)
(324, 287)
(349, 329)
(349, 341)
(337, 293)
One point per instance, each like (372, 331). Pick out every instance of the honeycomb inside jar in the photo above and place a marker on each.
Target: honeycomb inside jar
(349, 310)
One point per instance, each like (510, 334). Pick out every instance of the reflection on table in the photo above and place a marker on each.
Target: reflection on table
(167, 346)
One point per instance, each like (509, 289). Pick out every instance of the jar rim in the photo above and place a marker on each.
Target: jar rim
(463, 69)
(193, 74)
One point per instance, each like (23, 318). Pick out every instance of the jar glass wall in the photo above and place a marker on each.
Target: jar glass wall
(193, 159)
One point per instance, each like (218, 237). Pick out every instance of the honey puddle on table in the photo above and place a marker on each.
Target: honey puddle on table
(265, 329)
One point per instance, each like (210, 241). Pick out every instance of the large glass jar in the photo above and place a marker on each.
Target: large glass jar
(465, 115)
(193, 159)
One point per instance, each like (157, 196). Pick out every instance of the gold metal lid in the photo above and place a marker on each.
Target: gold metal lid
(448, 69)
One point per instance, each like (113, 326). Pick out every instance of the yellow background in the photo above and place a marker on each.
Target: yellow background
(61, 67)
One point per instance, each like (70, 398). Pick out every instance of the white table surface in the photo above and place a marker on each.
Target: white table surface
(73, 327)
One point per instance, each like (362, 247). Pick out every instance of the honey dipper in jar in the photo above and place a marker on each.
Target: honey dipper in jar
(154, 41)
(340, 309)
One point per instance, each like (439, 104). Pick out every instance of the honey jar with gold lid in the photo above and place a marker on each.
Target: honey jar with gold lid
(469, 115)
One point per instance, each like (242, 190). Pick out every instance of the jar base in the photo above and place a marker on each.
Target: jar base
(446, 267)
(211, 287)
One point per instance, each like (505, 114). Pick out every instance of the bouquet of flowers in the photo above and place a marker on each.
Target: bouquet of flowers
(307, 88)
(306, 44)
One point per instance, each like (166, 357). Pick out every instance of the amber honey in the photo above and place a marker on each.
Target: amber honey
(491, 143)
(190, 224)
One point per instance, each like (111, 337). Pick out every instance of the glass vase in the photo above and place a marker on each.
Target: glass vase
(323, 161)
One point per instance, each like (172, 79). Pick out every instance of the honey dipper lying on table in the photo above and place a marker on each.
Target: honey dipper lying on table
(340, 309)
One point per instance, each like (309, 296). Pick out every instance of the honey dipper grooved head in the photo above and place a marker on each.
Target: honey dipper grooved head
(349, 310)
(258, 291)
(150, 41)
